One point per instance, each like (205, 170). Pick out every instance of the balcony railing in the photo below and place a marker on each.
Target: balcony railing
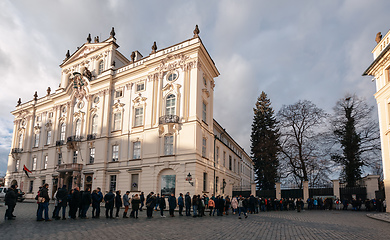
(91, 136)
(169, 119)
(74, 138)
(69, 167)
(17, 150)
(60, 142)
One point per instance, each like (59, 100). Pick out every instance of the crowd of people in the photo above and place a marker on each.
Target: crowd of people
(79, 202)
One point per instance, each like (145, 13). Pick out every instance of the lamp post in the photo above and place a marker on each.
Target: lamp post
(189, 179)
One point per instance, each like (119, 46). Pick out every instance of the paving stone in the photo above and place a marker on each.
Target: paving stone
(268, 225)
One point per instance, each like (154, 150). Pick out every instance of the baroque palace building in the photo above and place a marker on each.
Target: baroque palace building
(380, 70)
(144, 124)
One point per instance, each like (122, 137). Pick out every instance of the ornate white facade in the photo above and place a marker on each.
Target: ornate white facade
(143, 124)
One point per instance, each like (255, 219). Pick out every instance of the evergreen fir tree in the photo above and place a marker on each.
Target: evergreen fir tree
(265, 143)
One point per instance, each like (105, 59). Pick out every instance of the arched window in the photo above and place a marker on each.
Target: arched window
(94, 124)
(77, 131)
(101, 66)
(20, 142)
(170, 106)
(62, 132)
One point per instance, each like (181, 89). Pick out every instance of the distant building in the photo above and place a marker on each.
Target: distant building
(144, 124)
(380, 69)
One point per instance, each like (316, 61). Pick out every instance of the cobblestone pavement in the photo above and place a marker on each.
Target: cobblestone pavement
(270, 225)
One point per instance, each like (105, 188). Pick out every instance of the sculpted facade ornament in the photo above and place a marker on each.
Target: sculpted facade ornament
(79, 114)
(139, 99)
(37, 129)
(79, 86)
(118, 106)
(48, 125)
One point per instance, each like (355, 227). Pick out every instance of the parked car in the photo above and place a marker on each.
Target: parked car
(3, 191)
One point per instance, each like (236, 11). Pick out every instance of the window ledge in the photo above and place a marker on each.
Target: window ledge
(168, 155)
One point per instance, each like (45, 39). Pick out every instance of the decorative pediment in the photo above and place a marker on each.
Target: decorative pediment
(62, 119)
(118, 106)
(37, 129)
(48, 125)
(172, 87)
(79, 114)
(139, 99)
(93, 110)
(23, 114)
(85, 51)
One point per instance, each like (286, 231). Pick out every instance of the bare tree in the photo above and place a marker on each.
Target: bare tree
(301, 126)
(357, 136)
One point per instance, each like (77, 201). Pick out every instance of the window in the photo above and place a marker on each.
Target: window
(75, 153)
(20, 142)
(172, 77)
(17, 165)
(91, 155)
(36, 140)
(170, 106)
(62, 133)
(94, 124)
(31, 187)
(77, 130)
(204, 182)
(50, 114)
(234, 165)
(117, 121)
(137, 150)
(204, 142)
(115, 153)
(48, 137)
(38, 118)
(139, 116)
(45, 160)
(134, 182)
(204, 112)
(168, 145)
(217, 155)
(140, 86)
(96, 99)
(59, 161)
(204, 82)
(101, 67)
(113, 182)
(119, 93)
(34, 163)
(230, 162)
(224, 158)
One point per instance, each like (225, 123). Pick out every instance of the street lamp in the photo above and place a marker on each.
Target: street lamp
(189, 179)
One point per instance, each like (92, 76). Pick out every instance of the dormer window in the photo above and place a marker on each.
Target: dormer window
(101, 66)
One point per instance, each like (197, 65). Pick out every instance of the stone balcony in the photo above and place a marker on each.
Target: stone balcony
(169, 119)
(69, 167)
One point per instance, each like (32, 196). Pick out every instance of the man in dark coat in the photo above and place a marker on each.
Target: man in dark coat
(10, 200)
(99, 199)
(109, 200)
(74, 202)
(150, 203)
(62, 196)
(187, 200)
(118, 203)
(172, 204)
(180, 202)
(85, 202)
(162, 204)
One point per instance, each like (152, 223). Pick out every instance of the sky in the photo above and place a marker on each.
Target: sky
(291, 50)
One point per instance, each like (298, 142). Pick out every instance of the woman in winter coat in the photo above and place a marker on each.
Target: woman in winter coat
(135, 202)
(118, 203)
(234, 205)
